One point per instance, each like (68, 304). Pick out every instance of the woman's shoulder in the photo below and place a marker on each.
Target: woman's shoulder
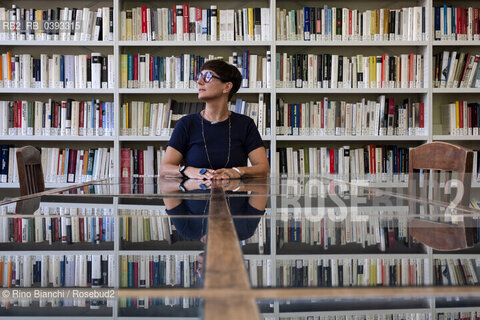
(189, 118)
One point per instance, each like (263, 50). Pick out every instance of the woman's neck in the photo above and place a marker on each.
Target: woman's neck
(216, 112)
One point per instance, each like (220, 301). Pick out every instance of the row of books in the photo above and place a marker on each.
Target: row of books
(57, 118)
(381, 163)
(458, 315)
(259, 272)
(58, 302)
(73, 226)
(320, 230)
(149, 271)
(145, 225)
(454, 23)
(456, 272)
(57, 71)
(143, 118)
(188, 23)
(149, 302)
(344, 24)
(56, 24)
(353, 272)
(340, 118)
(82, 270)
(138, 163)
(148, 71)
(461, 118)
(62, 165)
(456, 70)
(337, 71)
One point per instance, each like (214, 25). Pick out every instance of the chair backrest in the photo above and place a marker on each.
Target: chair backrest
(30, 172)
(455, 164)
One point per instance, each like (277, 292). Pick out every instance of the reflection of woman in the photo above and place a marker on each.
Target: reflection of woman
(215, 143)
(195, 228)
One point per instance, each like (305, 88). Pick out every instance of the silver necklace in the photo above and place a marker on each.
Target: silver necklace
(229, 141)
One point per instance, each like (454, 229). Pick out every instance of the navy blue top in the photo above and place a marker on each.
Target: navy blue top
(187, 139)
(194, 228)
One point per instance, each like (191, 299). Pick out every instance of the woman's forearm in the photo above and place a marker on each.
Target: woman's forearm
(259, 170)
(170, 171)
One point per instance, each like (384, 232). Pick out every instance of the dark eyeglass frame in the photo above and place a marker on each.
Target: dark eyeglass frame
(208, 76)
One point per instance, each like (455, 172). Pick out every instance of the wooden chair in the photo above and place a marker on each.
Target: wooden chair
(433, 158)
(30, 172)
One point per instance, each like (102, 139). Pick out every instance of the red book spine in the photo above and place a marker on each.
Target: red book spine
(476, 26)
(186, 12)
(141, 171)
(15, 228)
(174, 20)
(373, 168)
(144, 21)
(135, 275)
(461, 113)
(421, 115)
(464, 21)
(57, 115)
(350, 31)
(100, 228)
(150, 76)
(81, 227)
(319, 25)
(17, 118)
(411, 274)
(383, 273)
(322, 119)
(135, 68)
(332, 161)
(125, 163)
(459, 22)
(72, 165)
(151, 273)
(100, 114)
(384, 65)
(81, 110)
(57, 229)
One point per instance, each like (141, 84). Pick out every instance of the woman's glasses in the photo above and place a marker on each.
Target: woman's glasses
(207, 77)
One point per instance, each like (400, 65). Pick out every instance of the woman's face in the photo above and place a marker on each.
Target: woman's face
(210, 90)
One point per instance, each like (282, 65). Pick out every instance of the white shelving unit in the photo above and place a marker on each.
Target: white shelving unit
(427, 95)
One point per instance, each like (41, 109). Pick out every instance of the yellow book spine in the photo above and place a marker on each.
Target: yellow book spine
(146, 118)
(127, 121)
(129, 25)
(386, 20)
(457, 114)
(250, 23)
(124, 71)
(123, 272)
(38, 20)
(373, 71)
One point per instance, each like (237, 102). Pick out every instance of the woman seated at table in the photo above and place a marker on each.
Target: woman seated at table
(215, 143)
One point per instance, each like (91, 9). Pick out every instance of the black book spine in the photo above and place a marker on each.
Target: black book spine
(89, 71)
(340, 69)
(104, 75)
(104, 268)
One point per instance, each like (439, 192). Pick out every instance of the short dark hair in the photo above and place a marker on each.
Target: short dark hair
(227, 72)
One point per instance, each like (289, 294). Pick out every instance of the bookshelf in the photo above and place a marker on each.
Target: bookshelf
(432, 97)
